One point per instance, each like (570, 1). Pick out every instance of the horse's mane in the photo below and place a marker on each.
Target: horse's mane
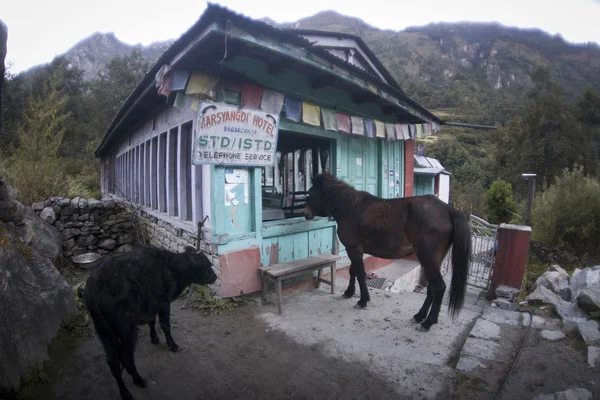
(337, 195)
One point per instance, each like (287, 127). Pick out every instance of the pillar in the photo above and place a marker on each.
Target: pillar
(511, 257)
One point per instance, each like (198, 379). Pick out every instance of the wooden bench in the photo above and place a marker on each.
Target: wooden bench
(277, 272)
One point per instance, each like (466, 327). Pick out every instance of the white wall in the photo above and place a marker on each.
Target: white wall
(444, 193)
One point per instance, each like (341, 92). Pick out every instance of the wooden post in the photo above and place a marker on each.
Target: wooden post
(198, 238)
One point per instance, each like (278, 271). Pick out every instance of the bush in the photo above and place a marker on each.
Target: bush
(500, 206)
(567, 215)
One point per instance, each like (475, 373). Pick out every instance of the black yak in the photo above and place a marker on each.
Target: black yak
(130, 289)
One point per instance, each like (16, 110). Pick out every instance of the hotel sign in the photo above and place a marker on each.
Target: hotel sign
(230, 135)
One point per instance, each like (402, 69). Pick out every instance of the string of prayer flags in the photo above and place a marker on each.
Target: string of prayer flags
(379, 129)
(311, 114)
(390, 131)
(369, 128)
(358, 126)
(343, 123)
(329, 119)
(293, 109)
(272, 101)
(251, 95)
(201, 83)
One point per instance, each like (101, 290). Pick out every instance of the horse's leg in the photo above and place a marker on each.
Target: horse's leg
(422, 314)
(356, 258)
(352, 284)
(437, 287)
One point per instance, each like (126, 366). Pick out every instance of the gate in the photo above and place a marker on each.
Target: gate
(484, 237)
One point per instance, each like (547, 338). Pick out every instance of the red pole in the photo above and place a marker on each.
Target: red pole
(511, 257)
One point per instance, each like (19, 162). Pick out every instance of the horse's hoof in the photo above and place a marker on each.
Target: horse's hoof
(154, 340)
(175, 349)
(414, 320)
(421, 328)
(347, 295)
(359, 306)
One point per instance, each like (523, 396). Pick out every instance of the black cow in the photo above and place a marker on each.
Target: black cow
(130, 289)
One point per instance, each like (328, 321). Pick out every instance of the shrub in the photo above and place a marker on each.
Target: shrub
(567, 215)
(500, 206)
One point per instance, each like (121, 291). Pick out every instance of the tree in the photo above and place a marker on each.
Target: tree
(35, 167)
(501, 207)
(547, 139)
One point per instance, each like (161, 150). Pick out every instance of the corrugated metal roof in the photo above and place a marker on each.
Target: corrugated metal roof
(214, 13)
(424, 162)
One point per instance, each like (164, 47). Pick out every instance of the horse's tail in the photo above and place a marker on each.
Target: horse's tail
(461, 256)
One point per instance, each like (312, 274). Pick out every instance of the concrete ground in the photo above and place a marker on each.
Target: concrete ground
(381, 338)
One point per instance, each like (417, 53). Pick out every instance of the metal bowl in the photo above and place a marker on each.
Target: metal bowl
(86, 260)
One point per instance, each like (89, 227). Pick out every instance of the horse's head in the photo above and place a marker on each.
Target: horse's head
(314, 202)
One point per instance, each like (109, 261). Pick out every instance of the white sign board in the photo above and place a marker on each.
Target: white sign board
(231, 135)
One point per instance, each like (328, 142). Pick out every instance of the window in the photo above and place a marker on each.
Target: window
(153, 174)
(172, 166)
(285, 185)
(185, 171)
(147, 175)
(162, 172)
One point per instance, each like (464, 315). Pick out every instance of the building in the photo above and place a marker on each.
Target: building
(231, 122)
(431, 178)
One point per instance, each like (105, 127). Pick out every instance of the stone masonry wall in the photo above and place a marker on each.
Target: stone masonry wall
(161, 233)
(89, 225)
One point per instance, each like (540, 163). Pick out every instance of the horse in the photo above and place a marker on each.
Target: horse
(392, 229)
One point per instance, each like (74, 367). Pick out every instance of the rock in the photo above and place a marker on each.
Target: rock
(587, 277)
(480, 348)
(125, 238)
(83, 203)
(589, 299)
(593, 355)
(95, 204)
(38, 206)
(500, 316)
(537, 322)
(67, 211)
(69, 244)
(48, 215)
(557, 282)
(553, 335)
(109, 204)
(124, 248)
(589, 331)
(570, 314)
(544, 295)
(75, 202)
(570, 394)
(507, 292)
(576, 271)
(70, 232)
(34, 300)
(557, 268)
(85, 241)
(40, 236)
(485, 329)
(107, 244)
(468, 363)
(505, 304)
(64, 202)
(57, 209)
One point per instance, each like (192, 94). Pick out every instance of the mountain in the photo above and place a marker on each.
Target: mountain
(94, 52)
(475, 71)
(471, 72)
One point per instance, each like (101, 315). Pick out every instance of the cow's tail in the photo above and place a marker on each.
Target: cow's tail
(461, 255)
(107, 335)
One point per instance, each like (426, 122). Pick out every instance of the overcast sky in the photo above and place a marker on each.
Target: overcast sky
(38, 30)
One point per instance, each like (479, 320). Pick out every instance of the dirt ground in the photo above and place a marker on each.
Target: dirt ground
(225, 356)
(242, 354)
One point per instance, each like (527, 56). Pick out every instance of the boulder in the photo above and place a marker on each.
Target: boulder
(570, 394)
(570, 314)
(589, 331)
(125, 248)
(544, 295)
(555, 280)
(507, 292)
(34, 300)
(586, 278)
(48, 215)
(107, 244)
(589, 299)
(95, 204)
(40, 236)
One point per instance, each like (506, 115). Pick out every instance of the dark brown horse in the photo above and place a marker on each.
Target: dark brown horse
(395, 228)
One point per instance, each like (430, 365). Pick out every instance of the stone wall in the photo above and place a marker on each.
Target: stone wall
(89, 225)
(163, 234)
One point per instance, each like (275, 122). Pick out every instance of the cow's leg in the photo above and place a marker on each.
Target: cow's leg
(153, 335)
(164, 317)
(128, 342)
(113, 358)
